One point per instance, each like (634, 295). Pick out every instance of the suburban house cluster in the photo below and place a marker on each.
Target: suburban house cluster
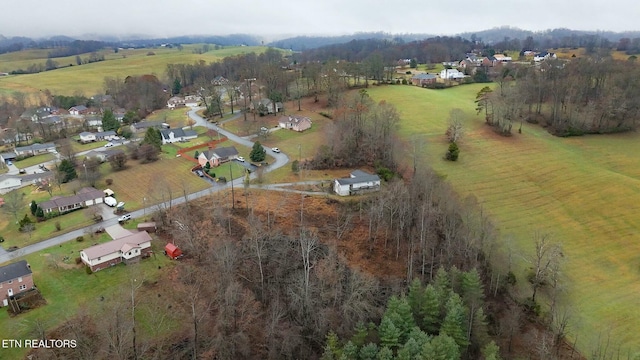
(127, 249)
(15, 278)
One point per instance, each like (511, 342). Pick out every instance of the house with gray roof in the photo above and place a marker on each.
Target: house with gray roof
(35, 149)
(84, 197)
(358, 182)
(217, 156)
(14, 279)
(423, 79)
(177, 135)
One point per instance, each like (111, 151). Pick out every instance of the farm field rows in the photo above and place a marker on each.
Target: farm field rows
(584, 192)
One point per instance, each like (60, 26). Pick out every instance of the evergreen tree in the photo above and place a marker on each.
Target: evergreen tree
(455, 322)
(39, 213)
(389, 334)
(332, 348)
(409, 351)
(491, 351)
(385, 354)
(153, 137)
(360, 336)
(399, 312)
(177, 87)
(442, 285)
(197, 153)
(441, 347)
(453, 152)
(258, 153)
(431, 310)
(67, 171)
(369, 352)
(416, 298)
(109, 121)
(130, 117)
(350, 351)
(33, 207)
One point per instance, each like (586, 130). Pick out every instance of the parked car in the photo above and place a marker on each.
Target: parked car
(9, 162)
(110, 201)
(240, 158)
(275, 150)
(22, 171)
(199, 173)
(109, 144)
(124, 218)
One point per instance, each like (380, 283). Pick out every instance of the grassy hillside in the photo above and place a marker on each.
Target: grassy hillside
(88, 79)
(583, 191)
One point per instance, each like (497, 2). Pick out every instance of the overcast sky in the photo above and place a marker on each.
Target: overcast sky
(274, 18)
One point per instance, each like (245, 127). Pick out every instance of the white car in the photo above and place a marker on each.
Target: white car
(240, 158)
(275, 150)
(109, 144)
(124, 218)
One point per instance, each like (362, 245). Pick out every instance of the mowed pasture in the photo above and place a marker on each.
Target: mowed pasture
(88, 79)
(583, 191)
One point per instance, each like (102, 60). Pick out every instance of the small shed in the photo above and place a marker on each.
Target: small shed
(149, 227)
(108, 192)
(172, 251)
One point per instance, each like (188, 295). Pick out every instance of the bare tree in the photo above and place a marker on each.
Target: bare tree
(14, 203)
(542, 262)
(455, 129)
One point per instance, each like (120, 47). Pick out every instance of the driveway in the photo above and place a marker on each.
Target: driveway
(107, 212)
(117, 231)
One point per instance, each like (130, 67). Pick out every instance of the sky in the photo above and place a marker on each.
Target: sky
(272, 19)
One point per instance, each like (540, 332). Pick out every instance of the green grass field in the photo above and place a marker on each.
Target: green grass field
(88, 79)
(34, 160)
(583, 191)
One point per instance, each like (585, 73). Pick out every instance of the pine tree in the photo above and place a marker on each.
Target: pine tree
(109, 121)
(416, 298)
(431, 310)
(399, 312)
(67, 171)
(350, 351)
(441, 347)
(369, 352)
(491, 351)
(177, 87)
(258, 154)
(33, 207)
(385, 354)
(332, 347)
(39, 213)
(153, 137)
(455, 321)
(389, 334)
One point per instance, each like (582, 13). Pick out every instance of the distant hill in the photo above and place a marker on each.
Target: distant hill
(300, 43)
(498, 34)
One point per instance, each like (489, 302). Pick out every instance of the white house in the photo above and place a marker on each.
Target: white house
(175, 135)
(451, 74)
(86, 137)
(78, 110)
(35, 149)
(541, 56)
(126, 249)
(357, 182)
(175, 102)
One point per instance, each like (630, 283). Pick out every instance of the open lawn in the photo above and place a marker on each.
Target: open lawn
(583, 191)
(34, 160)
(68, 289)
(176, 118)
(79, 147)
(116, 65)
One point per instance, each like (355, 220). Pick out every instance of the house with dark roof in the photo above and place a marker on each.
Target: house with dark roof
(217, 156)
(8, 156)
(358, 182)
(142, 126)
(35, 149)
(15, 278)
(219, 80)
(295, 123)
(423, 79)
(128, 249)
(9, 182)
(177, 135)
(84, 197)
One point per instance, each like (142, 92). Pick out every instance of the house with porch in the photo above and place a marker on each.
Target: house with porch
(35, 149)
(177, 135)
(84, 197)
(78, 110)
(217, 156)
(15, 278)
(128, 249)
(295, 123)
(358, 182)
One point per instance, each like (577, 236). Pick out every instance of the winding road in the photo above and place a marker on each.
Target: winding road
(281, 160)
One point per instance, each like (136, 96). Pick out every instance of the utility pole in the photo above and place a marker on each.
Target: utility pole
(233, 197)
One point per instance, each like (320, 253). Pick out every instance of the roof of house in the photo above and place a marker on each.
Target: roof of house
(35, 147)
(358, 176)
(147, 124)
(293, 119)
(81, 196)
(86, 133)
(122, 244)
(15, 270)
(105, 133)
(424, 76)
(223, 152)
(110, 152)
(8, 156)
(177, 133)
(79, 108)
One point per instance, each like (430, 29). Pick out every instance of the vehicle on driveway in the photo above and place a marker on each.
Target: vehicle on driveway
(275, 150)
(42, 167)
(9, 162)
(109, 144)
(240, 158)
(199, 173)
(110, 201)
(124, 218)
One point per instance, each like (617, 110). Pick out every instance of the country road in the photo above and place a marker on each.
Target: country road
(281, 160)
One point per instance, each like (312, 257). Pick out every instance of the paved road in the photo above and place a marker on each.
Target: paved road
(281, 160)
